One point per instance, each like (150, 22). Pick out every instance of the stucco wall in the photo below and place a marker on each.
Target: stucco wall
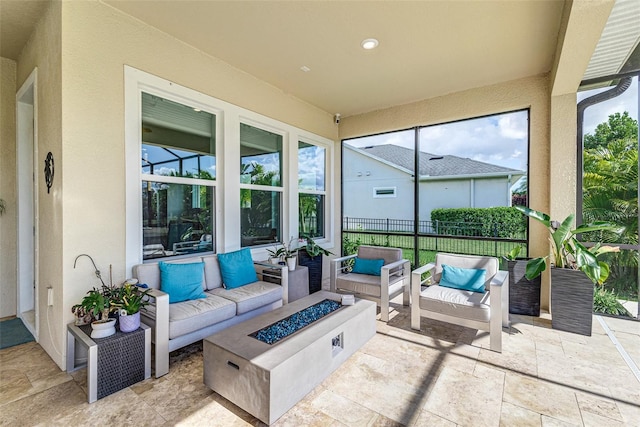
(43, 51)
(8, 187)
(97, 42)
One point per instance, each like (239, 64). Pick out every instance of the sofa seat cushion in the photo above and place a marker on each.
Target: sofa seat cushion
(252, 296)
(189, 316)
(456, 302)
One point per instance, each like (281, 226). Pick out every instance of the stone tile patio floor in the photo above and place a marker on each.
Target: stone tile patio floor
(443, 375)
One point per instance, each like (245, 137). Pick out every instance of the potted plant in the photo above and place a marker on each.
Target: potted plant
(284, 254)
(97, 303)
(576, 270)
(524, 293)
(289, 254)
(276, 255)
(310, 255)
(128, 300)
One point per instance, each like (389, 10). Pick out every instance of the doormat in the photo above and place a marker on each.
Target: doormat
(13, 332)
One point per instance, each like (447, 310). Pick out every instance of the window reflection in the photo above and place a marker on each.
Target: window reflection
(176, 218)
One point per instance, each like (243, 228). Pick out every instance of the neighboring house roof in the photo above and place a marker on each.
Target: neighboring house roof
(434, 164)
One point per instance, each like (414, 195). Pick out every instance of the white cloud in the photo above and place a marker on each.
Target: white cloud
(513, 126)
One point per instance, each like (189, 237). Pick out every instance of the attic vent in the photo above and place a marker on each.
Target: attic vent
(368, 146)
(380, 192)
(436, 158)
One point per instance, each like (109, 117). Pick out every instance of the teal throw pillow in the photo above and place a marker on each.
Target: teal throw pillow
(367, 266)
(466, 279)
(236, 268)
(183, 282)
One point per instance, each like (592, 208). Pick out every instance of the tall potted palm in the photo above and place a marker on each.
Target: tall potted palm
(574, 273)
(310, 256)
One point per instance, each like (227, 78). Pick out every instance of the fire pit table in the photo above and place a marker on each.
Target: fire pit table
(265, 365)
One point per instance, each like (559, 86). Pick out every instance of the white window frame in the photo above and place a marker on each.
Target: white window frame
(385, 196)
(283, 173)
(227, 183)
(327, 177)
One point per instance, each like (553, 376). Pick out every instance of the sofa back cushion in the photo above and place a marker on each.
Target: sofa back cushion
(212, 277)
(149, 273)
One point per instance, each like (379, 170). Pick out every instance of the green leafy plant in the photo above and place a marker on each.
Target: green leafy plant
(567, 251)
(605, 301)
(96, 303)
(130, 298)
(513, 253)
(276, 252)
(312, 248)
(2, 206)
(285, 250)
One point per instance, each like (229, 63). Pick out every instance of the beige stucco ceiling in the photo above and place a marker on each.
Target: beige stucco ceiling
(17, 20)
(427, 48)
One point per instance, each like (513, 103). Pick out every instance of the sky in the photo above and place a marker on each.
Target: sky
(499, 139)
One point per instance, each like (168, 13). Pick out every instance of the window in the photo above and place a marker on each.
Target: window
(260, 186)
(384, 192)
(463, 167)
(181, 186)
(178, 170)
(311, 189)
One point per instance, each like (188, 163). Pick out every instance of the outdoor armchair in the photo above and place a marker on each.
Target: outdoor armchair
(486, 310)
(385, 275)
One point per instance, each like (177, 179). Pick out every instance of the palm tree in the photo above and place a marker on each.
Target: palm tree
(610, 186)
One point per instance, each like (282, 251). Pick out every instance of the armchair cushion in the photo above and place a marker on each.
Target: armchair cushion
(237, 268)
(183, 282)
(456, 302)
(367, 266)
(467, 279)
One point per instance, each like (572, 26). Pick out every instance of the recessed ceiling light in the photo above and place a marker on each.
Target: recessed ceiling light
(305, 68)
(197, 110)
(369, 44)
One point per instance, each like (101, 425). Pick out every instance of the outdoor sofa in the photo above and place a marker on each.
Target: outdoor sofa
(204, 304)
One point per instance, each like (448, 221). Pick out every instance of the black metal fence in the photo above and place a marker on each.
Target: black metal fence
(431, 237)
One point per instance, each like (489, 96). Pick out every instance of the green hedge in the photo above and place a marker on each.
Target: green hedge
(504, 222)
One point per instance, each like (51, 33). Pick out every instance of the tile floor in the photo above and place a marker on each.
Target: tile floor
(442, 375)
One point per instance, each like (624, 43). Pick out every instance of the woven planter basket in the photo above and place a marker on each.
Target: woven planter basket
(315, 270)
(571, 301)
(524, 294)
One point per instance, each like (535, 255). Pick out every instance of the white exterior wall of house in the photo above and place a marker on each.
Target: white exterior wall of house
(464, 193)
(361, 174)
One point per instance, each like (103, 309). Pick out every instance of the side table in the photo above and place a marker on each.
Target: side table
(114, 362)
(298, 282)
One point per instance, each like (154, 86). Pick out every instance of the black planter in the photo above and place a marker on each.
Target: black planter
(524, 294)
(315, 270)
(571, 301)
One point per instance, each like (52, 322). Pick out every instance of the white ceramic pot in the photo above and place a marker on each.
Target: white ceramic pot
(130, 322)
(291, 263)
(103, 328)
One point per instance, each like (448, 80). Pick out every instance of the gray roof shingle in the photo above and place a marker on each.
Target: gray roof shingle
(433, 164)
